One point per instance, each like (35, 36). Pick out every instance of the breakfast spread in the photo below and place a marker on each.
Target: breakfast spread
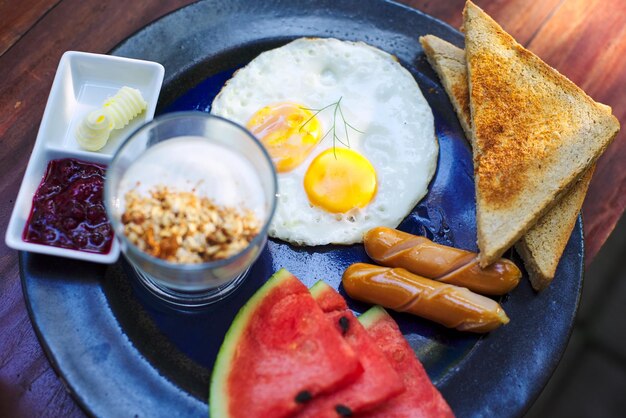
(94, 130)
(421, 256)
(349, 130)
(402, 291)
(67, 209)
(505, 98)
(181, 227)
(353, 145)
(294, 353)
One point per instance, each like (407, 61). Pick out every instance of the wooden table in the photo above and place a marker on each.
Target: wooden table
(584, 39)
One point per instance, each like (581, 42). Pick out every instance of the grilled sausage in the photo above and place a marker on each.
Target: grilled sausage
(400, 290)
(423, 257)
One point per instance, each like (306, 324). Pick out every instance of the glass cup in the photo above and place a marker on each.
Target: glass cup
(154, 155)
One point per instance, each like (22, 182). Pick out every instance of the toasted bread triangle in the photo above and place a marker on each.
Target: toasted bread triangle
(542, 246)
(534, 133)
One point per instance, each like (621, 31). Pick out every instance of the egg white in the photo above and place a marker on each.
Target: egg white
(378, 97)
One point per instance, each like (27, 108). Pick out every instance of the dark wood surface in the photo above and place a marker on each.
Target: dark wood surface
(584, 39)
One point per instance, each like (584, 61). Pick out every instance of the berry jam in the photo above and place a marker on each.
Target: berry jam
(68, 209)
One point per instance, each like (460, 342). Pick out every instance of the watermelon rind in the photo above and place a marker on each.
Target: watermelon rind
(318, 288)
(372, 315)
(327, 298)
(218, 396)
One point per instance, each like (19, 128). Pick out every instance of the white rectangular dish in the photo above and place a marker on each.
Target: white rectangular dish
(82, 83)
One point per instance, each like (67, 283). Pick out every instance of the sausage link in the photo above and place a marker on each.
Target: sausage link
(423, 257)
(402, 291)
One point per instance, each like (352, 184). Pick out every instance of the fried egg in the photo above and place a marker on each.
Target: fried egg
(348, 129)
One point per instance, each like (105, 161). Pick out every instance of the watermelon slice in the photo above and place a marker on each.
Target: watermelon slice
(328, 298)
(421, 398)
(279, 353)
(379, 381)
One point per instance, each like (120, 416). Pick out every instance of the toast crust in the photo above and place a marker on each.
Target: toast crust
(534, 133)
(448, 61)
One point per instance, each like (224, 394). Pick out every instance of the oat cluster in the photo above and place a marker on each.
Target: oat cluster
(182, 227)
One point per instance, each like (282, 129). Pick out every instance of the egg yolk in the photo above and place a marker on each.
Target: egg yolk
(288, 131)
(339, 180)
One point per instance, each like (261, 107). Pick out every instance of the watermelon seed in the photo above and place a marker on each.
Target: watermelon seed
(343, 410)
(344, 324)
(304, 396)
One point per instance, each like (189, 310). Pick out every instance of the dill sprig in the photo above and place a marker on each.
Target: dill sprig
(337, 110)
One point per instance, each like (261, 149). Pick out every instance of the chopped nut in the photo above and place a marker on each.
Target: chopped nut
(184, 228)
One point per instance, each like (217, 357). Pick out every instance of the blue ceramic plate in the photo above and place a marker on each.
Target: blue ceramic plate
(123, 355)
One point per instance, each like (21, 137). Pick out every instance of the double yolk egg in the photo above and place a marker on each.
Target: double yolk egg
(337, 180)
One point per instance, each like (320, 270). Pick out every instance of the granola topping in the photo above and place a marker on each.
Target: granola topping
(182, 227)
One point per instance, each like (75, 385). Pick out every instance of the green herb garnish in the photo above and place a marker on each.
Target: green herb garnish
(333, 129)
